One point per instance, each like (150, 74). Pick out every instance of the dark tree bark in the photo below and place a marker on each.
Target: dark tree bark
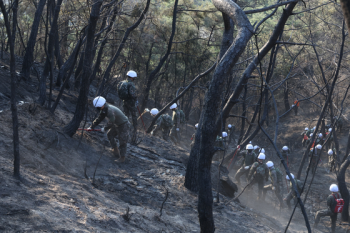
(343, 189)
(208, 128)
(68, 65)
(28, 57)
(154, 72)
(57, 50)
(64, 40)
(121, 46)
(191, 178)
(244, 110)
(335, 136)
(104, 42)
(345, 5)
(77, 74)
(12, 38)
(73, 125)
(49, 63)
(347, 147)
(285, 97)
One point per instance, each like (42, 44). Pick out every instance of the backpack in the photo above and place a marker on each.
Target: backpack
(279, 175)
(182, 117)
(340, 204)
(260, 170)
(123, 91)
(168, 122)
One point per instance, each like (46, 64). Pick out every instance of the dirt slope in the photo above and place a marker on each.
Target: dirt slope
(54, 195)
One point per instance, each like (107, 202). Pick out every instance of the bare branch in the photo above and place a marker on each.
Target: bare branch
(269, 7)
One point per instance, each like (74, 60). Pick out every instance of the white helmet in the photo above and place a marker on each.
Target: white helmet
(306, 129)
(262, 150)
(174, 105)
(319, 146)
(261, 156)
(311, 134)
(131, 74)
(330, 130)
(269, 164)
(249, 147)
(229, 126)
(320, 135)
(285, 148)
(256, 147)
(224, 134)
(291, 174)
(154, 111)
(99, 101)
(334, 188)
(314, 127)
(196, 125)
(330, 151)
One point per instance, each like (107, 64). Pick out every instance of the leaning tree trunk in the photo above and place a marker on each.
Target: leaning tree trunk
(103, 44)
(11, 41)
(191, 178)
(62, 74)
(208, 128)
(73, 125)
(28, 57)
(244, 110)
(343, 189)
(285, 97)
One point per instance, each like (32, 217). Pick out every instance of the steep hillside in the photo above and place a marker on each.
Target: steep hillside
(145, 194)
(55, 195)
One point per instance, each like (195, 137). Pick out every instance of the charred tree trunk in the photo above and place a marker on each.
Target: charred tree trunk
(285, 97)
(100, 52)
(347, 147)
(153, 74)
(343, 189)
(244, 110)
(49, 63)
(64, 40)
(68, 65)
(345, 5)
(73, 125)
(11, 41)
(77, 74)
(208, 128)
(28, 57)
(57, 50)
(191, 178)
